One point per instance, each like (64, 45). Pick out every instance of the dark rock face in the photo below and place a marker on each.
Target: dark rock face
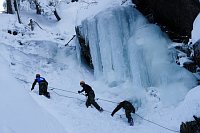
(85, 49)
(196, 48)
(191, 127)
(185, 51)
(175, 16)
(190, 66)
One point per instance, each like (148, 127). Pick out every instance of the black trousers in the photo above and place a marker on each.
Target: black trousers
(91, 100)
(128, 115)
(43, 89)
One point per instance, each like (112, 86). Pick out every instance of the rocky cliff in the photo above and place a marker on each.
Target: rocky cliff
(176, 17)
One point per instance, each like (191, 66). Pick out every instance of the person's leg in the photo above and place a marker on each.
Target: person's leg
(91, 97)
(43, 89)
(128, 116)
(47, 94)
(96, 105)
(88, 103)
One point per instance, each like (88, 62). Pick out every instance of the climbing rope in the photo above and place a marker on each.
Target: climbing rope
(156, 124)
(67, 96)
(106, 100)
(120, 115)
(53, 90)
(82, 101)
(23, 80)
(83, 94)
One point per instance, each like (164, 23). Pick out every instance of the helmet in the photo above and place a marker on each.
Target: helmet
(37, 75)
(82, 82)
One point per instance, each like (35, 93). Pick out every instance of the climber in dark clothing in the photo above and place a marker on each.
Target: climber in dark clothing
(91, 96)
(43, 84)
(128, 107)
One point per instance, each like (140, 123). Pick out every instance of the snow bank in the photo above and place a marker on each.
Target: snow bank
(74, 13)
(1, 5)
(196, 29)
(19, 112)
(189, 107)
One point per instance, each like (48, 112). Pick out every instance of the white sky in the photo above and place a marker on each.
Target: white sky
(1, 5)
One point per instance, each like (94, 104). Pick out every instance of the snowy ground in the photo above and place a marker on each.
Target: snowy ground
(43, 52)
(196, 29)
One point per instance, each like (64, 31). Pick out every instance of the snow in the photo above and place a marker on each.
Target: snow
(1, 5)
(190, 105)
(196, 29)
(19, 112)
(43, 51)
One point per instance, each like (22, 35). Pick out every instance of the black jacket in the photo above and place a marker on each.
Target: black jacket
(87, 89)
(125, 105)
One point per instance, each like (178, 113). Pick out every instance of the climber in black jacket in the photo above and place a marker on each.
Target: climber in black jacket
(128, 107)
(91, 96)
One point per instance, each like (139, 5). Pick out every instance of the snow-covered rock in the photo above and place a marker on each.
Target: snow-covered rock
(196, 30)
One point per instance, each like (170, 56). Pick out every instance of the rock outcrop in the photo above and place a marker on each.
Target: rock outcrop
(85, 49)
(191, 127)
(176, 17)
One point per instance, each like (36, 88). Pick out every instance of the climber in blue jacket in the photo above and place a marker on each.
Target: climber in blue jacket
(43, 85)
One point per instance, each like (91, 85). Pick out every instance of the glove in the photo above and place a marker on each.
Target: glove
(79, 91)
(31, 89)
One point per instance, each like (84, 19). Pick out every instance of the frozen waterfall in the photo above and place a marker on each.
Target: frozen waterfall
(124, 46)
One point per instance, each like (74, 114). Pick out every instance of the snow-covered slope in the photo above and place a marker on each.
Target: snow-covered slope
(19, 112)
(196, 29)
(43, 51)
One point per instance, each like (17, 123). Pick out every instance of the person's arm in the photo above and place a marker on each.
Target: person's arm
(81, 90)
(116, 109)
(33, 85)
(133, 110)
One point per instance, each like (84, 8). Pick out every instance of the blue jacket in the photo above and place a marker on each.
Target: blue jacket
(39, 80)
